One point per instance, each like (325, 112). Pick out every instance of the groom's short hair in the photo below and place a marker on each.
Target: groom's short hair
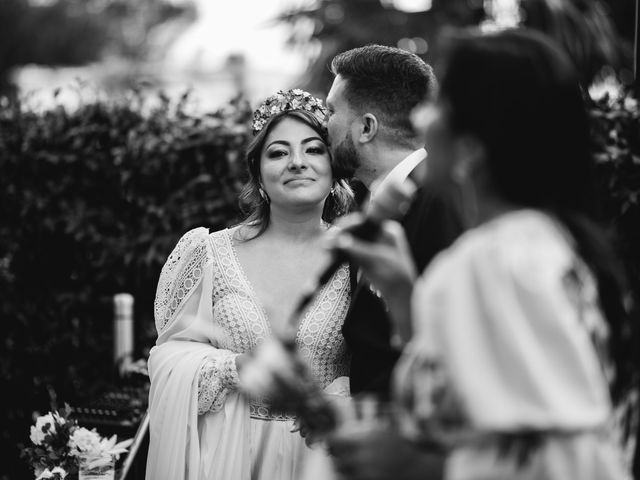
(387, 81)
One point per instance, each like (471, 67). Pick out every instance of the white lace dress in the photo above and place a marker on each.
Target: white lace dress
(207, 313)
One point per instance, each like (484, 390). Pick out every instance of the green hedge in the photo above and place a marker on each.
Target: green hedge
(616, 135)
(92, 201)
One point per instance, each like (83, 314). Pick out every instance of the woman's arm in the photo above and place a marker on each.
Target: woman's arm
(184, 314)
(218, 376)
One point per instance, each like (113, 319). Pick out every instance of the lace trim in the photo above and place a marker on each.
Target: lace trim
(262, 411)
(216, 378)
(180, 275)
(240, 315)
(235, 307)
(319, 336)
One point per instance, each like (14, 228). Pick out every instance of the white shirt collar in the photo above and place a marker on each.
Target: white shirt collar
(401, 171)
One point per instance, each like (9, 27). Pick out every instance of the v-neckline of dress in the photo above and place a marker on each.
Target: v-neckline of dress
(242, 274)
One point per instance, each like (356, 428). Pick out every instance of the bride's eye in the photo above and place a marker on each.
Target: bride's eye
(276, 153)
(317, 150)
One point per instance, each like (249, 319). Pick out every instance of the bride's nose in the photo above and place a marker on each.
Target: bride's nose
(297, 161)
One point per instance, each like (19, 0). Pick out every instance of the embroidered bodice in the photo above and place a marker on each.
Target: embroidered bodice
(239, 322)
(237, 309)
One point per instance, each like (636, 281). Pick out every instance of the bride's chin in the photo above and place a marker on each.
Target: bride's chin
(310, 201)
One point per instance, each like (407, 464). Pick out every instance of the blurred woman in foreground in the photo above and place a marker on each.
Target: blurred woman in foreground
(517, 332)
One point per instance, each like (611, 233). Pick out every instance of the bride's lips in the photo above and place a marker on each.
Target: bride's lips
(298, 179)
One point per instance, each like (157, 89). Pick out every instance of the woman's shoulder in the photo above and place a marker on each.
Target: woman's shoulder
(515, 230)
(204, 235)
(196, 234)
(191, 244)
(519, 242)
(181, 274)
(196, 246)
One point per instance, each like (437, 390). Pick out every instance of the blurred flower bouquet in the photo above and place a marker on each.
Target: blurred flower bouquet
(277, 372)
(59, 447)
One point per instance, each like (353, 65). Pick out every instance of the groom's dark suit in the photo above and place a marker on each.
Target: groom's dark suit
(431, 224)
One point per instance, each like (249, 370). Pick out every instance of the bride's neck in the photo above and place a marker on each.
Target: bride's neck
(295, 227)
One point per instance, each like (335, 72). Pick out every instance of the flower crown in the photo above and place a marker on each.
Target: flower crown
(285, 101)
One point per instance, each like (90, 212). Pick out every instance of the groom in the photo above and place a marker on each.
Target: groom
(369, 106)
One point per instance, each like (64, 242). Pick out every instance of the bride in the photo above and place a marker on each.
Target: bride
(222, 294)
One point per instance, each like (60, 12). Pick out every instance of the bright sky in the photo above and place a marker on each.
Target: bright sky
(236, 26)
(197, 58)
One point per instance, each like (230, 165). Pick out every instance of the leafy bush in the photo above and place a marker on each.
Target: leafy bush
(616, 134)
(92, 201)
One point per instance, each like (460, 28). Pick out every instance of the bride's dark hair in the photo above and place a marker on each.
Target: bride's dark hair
(255, 209)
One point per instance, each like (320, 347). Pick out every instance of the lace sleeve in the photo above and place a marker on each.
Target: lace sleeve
(180, 276)
(217, 377)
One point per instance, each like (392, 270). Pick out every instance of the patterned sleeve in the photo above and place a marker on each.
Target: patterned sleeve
(217, 377)
(181, 315)
(180, 276)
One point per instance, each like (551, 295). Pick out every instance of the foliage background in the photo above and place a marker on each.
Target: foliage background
(596, 32)
(77, 32)
(616, 134)
(92, 202)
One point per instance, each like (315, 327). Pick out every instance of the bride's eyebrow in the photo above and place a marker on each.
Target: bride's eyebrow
(288, 144)
(280, 142)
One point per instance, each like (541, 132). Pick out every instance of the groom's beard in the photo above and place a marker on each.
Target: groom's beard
(345, 159)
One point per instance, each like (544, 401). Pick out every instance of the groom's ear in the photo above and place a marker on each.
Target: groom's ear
(368, 127)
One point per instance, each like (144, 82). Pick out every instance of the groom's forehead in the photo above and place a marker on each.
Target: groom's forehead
(337, 91)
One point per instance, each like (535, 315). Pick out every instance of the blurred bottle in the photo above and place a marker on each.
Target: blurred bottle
(123, 331)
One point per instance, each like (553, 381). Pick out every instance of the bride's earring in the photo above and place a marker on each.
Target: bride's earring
(263, 194)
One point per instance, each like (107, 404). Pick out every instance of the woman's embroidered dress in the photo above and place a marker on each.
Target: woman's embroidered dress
(206, 314)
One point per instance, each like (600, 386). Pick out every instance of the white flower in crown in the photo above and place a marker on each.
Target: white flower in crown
(283, 101)
(258, 124)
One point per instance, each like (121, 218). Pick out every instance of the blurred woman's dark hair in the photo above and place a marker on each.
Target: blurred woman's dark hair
(518, 93)
(255, 208)
(582, 28)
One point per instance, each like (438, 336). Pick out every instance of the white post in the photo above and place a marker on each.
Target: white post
(123, 331)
